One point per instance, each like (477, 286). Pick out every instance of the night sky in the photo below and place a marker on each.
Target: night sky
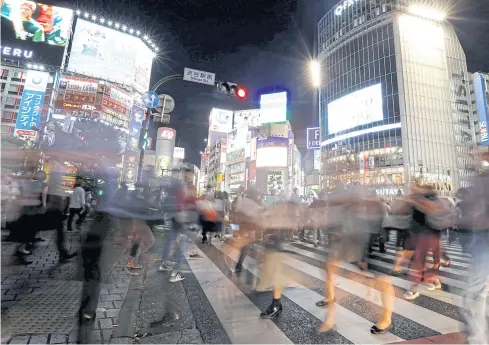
(260, 44)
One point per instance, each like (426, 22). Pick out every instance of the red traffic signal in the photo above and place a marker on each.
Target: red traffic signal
(241, 93)
(232, 89)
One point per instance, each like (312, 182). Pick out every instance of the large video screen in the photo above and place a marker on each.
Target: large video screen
(273, 107)
(358, 108)
(104, 53)
(34, 31)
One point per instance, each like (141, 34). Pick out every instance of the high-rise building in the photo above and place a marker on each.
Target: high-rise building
(395, 102)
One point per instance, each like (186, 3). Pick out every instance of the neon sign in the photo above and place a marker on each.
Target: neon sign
(16, 52)
(346, 4)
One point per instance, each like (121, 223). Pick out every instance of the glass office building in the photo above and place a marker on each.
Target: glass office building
(395, 102)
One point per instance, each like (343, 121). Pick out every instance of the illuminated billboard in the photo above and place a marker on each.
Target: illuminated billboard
(272, 152)
(250, 117)
(355, 109)
(31, 103)
(482, 107)
(108, 54)
(273, 107)
(76, 97)
(220, 120)
(35, 32)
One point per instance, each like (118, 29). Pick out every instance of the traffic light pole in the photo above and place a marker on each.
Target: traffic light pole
(147, 121)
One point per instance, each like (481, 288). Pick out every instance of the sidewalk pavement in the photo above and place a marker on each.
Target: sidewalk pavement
(40, 301)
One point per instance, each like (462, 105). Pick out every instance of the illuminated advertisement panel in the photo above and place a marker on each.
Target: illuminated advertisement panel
(104, 53)
(34, 31)
(220, 120)
(31, 103)
(272, 152)
(250, 117)
(77, 98)
(482, 108)
(356, 109)
(273, 107)
(137, 118)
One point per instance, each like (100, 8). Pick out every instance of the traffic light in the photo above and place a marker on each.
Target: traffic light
(232, 89)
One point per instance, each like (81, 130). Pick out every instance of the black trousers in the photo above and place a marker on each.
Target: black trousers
(74, 211)
(92, 248)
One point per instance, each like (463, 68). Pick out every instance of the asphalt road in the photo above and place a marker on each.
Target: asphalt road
(213, 305)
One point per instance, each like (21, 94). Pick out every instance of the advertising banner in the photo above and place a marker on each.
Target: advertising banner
(273, 107)
(137, 118)
(272, 152)
(77, 97)
(272, 142)
(220, 120)
(482, 108)
(313, 138)
(30, 107)
(238, 178)
(34, 32)
(317, 159)
(250, 117)
(164, 165)
(165, 133)
(130, 166)
(237, 138)
(235, 156)
(132, 143)
(178, 153)
(363, 107)
(108, 54)
(276, 182)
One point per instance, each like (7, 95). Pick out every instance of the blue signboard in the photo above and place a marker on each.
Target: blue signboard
(150, 99)
(30, 110)
(482, 108)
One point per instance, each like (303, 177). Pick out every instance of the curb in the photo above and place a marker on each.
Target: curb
(124, 333)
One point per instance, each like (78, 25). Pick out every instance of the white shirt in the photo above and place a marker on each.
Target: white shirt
(77, 199)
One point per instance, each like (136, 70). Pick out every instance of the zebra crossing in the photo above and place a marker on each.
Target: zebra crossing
(237, 306)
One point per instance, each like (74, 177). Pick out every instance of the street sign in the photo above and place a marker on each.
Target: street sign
(200, 77)
(150, 99)
(313, 138)
(167, 104)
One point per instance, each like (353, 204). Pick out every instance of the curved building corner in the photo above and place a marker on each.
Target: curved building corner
(395, 104)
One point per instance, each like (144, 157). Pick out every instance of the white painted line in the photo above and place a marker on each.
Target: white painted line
(239, 317)
(346, 320)
(423, 316)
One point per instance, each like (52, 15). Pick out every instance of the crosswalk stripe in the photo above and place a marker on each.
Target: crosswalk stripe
(423, 316)
(444, 280)
(346, 320)
(455, 261)
(238, 315)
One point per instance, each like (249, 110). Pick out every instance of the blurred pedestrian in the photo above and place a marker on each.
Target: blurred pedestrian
(76, 206)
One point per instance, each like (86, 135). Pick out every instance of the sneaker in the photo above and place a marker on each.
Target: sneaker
(195, 256)
(176, 277)
(411, 295)
(166, 266)
(433, 287)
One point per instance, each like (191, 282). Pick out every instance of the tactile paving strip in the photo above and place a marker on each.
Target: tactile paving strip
(51, 310)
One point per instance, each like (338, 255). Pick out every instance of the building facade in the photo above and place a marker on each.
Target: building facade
(395, 104)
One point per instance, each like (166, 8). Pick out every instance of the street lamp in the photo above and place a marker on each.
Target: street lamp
(315, 69)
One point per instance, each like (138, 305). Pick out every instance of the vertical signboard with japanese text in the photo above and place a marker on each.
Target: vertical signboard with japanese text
(31, 103)
(482, 107)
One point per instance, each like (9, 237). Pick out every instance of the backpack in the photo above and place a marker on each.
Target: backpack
(442, 220)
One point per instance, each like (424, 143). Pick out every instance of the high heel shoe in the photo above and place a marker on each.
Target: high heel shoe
(325, 303)
(377, 330)
(272, 311)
